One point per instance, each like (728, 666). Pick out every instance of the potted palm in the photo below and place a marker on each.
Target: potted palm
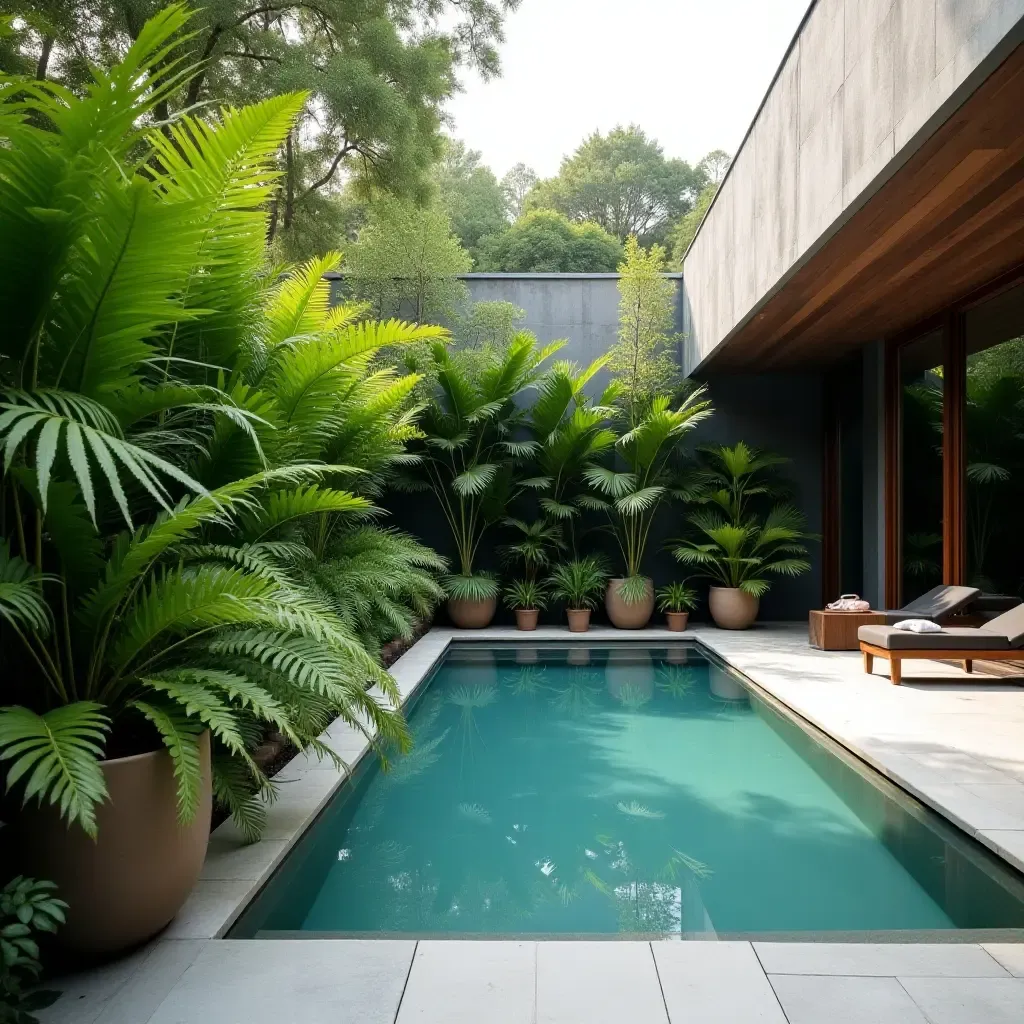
(526, 598)
(147, 628)
(470, 460)
(579, 584)
(631, 497)
(739, 542)
(677, 600)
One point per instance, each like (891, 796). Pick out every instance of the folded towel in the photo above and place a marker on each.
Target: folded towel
(918, 626)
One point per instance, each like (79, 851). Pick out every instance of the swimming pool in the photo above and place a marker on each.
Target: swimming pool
(616, 790)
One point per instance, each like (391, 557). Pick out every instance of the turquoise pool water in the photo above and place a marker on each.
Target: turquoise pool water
(602, 790)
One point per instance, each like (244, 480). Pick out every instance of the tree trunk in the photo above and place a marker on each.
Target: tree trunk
(44, 58)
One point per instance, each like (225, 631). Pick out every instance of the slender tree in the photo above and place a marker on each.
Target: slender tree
(642, 359)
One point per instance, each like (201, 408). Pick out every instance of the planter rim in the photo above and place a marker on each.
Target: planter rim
(138, 757)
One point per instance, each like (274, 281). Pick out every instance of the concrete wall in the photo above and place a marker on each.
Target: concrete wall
(863, 84)
(779, 412)
(581, 308)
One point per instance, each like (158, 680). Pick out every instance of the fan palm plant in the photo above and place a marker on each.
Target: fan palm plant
(737, 544)
(631, 497)
(570, 434)
(469, 455)
(148, 498)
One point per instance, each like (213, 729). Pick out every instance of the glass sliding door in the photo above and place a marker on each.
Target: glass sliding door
(994, 444)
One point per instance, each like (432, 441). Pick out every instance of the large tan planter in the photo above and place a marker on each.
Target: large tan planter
(526, 618)
(732, 608)
(472, 614)
(579, 619)
(628, 616)
(128, 883)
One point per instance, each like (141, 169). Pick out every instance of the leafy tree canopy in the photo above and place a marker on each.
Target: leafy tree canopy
(515, 187)
(622, 182)
(544, 241)
(407, 259)
(682, 233)
(470, 193)
(377, 72)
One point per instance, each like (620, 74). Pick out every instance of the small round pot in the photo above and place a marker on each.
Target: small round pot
(526, 618)
(579, 619)
(732, 608)
(472, 614)
(628, 616)
(127, 884)
(676, 621)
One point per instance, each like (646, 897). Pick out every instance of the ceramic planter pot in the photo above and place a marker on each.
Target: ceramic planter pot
(526, 618)
(732, 608)
(128, 883)
(579, 619)
(472, 614)
(628, 616)
(676, 621)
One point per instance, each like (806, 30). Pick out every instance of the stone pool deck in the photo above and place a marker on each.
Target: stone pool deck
(954, 741)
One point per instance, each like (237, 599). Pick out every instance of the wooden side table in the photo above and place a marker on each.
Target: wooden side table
(837, 631)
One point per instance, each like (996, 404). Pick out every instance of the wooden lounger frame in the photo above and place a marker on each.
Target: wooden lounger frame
(894, 657)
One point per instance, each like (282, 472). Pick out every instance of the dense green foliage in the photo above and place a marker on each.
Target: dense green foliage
(407, 261)
(683, 232)
(677, 597)
(469, 454)
(376, 74)
(622, 182)
(643, 359)
(28, 909)
(176, 427)
(579, 583)
(471, 195)
(544, 241)
(744, 532)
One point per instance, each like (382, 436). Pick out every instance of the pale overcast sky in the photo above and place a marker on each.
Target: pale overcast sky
(689, 72)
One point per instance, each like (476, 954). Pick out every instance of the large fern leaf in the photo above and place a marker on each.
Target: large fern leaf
(57, 755)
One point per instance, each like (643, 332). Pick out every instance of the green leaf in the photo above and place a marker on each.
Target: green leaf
(180, 735)
(475, 480)
(61, 750)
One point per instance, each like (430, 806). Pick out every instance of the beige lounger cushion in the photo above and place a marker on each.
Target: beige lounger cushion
(952, 638)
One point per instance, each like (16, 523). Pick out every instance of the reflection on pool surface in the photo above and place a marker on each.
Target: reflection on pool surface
(568, 790)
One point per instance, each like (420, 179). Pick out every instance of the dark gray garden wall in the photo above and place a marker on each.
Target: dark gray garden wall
(780, 412)
(583, 309)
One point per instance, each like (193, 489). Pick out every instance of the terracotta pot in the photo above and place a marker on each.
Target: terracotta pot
(526, 618)
(527, 656)
(628, 616)
(128, 883)
(472, 614)
(579, 619)
(732, 608)
(676, 621)
(578, 656)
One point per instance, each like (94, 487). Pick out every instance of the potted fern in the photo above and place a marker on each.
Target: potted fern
(470, 459)
(743, 534)
(578, 583)
(677, 600)
(631, 497)
(527, 599)
(148, 629)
